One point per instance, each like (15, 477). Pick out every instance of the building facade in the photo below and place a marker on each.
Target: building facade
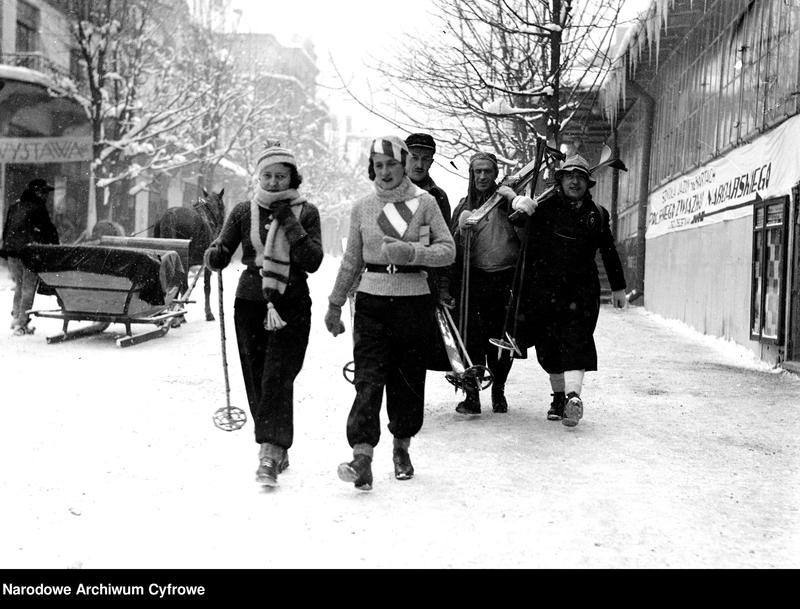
(705, 108)
(44, 133)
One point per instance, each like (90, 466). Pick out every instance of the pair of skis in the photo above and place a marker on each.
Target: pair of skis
(462, 371)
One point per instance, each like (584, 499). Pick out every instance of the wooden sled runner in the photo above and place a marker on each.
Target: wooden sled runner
(110, 284)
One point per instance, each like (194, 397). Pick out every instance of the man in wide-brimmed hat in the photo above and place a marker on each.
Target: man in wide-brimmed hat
(561, 302)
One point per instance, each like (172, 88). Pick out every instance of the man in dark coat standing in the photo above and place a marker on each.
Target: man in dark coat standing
(421, 149)
(561, 299)
(27, 222)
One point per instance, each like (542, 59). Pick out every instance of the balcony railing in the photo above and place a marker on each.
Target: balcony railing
(34, 61)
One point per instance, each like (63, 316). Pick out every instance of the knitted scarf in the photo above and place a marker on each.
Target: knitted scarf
(399, 205)
(274, 254)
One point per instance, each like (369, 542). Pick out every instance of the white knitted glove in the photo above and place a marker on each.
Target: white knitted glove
(523, 203)
(397, 251)
(506, 192)
(333, 319)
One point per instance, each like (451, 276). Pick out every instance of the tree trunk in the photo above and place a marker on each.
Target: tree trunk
(554, 128)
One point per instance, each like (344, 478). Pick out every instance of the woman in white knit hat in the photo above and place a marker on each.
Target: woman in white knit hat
(395, 233)
(279, 232)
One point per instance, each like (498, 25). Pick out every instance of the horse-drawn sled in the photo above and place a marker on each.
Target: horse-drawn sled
(118, 280)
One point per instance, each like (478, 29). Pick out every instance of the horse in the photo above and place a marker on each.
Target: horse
(202, 224)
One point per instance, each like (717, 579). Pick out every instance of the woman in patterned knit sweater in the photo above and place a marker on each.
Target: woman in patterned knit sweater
(394, 233)
(272, 310)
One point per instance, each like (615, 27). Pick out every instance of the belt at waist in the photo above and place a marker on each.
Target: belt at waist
(391, 268)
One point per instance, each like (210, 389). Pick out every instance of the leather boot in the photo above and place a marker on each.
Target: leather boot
(472, 402)
(499, 403)
(403, 469)
(556, 412)
(268, 460)
(283, 464)
(359, 470)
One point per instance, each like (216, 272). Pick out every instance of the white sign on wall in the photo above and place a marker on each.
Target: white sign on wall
(726, 188)
(45, 149)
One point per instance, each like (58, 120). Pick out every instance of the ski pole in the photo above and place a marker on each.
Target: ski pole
(228, 418)
(464, 300)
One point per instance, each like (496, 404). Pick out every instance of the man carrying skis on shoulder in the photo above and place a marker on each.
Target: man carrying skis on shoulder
(494, 248)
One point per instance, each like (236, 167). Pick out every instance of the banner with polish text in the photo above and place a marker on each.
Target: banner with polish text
(727, 187)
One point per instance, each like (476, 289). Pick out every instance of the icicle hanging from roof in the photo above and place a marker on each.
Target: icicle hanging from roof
(652, 21)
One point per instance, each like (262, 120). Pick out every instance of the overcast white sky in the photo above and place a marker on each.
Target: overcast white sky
(350, 33)
(353, 35)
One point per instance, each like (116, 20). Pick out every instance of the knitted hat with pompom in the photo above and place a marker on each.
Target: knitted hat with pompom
(274, 153)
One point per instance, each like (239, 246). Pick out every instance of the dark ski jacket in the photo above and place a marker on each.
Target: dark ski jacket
(305, 253)
(560, 270)
(27, 221)
(440, 195)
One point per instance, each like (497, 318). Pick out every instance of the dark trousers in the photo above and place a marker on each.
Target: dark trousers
(486, 315)
(391, 336)
(270, 362)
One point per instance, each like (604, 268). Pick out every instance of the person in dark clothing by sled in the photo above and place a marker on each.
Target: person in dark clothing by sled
(27, 222)
(561, 300)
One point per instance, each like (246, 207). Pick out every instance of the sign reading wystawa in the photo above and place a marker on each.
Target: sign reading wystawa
(725, 188)
(45, 149)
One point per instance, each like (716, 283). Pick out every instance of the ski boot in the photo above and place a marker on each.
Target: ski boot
(283, 464)
(403, 469)
(499, 402)
(472, 403)
(25, 330)
(268, 464)
(358, 471)
(267, 472)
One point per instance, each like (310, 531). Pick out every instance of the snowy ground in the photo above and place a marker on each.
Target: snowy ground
(687, 457)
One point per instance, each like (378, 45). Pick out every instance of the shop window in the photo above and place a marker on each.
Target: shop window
(27, 28)
(768, 287)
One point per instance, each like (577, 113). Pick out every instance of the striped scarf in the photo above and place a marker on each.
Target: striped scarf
(274, 254)
(400, 204)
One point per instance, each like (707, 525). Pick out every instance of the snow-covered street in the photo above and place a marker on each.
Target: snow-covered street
(687, 457)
